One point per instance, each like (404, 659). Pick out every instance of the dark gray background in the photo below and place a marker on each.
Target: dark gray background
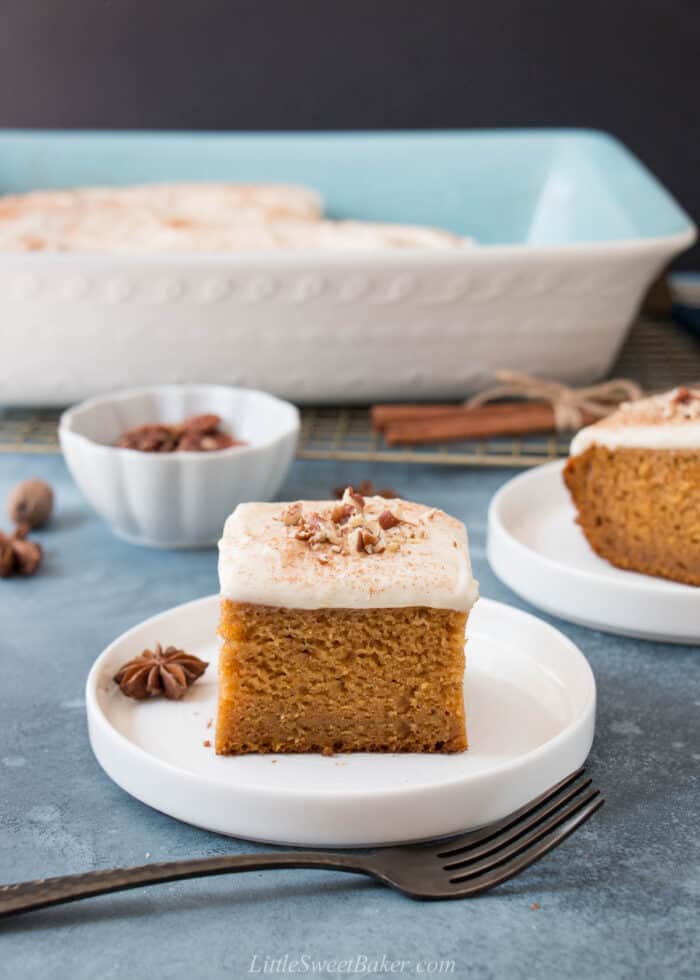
(628, 66)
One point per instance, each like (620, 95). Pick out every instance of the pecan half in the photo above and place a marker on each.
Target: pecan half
(202, 423)
(342, 513)
(153, 438)
(204, 442)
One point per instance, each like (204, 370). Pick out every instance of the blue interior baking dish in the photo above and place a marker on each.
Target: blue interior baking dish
(501, 187)
(569, 230)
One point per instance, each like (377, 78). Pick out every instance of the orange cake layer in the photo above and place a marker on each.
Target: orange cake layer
(340, 680)
(640, 508)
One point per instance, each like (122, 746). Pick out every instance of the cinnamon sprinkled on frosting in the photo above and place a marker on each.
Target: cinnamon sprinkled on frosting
(360, 552)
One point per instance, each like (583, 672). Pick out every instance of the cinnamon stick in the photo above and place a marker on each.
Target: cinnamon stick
(384, 415)
(486, 421)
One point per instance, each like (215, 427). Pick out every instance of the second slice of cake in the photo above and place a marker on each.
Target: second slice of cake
(634, 478)
(343, 628)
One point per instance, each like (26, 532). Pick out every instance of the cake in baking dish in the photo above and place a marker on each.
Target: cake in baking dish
(343, 628)
(634, 478)
(192, 217)
(149, 217)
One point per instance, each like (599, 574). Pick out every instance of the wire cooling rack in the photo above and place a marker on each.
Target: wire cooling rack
(658, 354)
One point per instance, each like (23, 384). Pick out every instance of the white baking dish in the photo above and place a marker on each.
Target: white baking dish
(570, 231)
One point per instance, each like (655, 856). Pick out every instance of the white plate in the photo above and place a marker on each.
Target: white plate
(530, 717)
(537, 549)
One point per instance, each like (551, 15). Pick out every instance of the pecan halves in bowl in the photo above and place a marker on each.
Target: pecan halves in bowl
(197, 434)
(152, 438)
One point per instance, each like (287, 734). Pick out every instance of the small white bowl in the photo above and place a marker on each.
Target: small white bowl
(181, 499)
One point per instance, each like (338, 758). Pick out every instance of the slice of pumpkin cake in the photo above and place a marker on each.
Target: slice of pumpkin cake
(634, 478)
(343, 627)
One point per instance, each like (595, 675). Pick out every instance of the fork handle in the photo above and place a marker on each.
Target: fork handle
(28, 895)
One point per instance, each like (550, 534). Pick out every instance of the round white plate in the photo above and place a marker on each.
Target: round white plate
(537, 549)
(530, 716)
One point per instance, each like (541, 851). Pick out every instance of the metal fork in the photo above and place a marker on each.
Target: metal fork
(455, 867)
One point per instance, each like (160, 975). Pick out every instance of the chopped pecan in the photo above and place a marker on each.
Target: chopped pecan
(369, 538)
(308, 526)
(345, 527)
(291, 514)
(367, 489)
(327, 532)
(683, 396)
(387, 520)
(372, 542)
(352, 497)
(357, 541)
(342, 513)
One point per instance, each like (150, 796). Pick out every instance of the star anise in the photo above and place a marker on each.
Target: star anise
(17, 554)
(169, 672)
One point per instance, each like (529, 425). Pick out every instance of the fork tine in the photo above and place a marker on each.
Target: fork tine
(501, 873)
(518, 843)
(537, 808)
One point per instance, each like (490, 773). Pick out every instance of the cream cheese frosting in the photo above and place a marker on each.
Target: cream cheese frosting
(199, 217)
(265, 559)
(668, 421)
(185, 216)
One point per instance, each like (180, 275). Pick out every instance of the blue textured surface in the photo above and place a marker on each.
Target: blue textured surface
(539, 187)
(621, 898)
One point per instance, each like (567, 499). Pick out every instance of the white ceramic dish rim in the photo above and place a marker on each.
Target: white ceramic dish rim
(390, 257)
(581, 574)
(98, 718)
(71, 416)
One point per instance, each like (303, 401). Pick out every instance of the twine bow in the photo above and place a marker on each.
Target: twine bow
(568, 404)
